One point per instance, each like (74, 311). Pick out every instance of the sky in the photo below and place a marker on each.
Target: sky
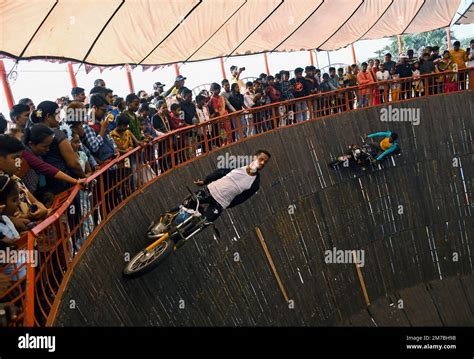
(40, 80)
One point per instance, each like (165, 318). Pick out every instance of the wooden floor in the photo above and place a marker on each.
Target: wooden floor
(413, 218)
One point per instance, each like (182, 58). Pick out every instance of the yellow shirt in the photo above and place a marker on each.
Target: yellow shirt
(459, 57)
(385, 144)
(123, 141)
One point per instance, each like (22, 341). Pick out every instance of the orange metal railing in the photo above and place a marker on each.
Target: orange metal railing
(80, 213)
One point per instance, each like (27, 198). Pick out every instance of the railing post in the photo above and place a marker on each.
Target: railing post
(138, 165)
(102, 193)
(173, 161)
(274, 118)
(29, 320)
(471, 78)
(206, 144)
(310, 108)
(239, 126)
(346, 99)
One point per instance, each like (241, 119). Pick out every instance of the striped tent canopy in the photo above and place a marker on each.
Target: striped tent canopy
(154, 32)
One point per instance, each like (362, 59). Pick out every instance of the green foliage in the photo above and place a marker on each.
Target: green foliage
(418, 42)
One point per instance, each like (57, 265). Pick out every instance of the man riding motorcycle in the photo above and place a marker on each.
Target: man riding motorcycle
(387, 146)
(224, 188)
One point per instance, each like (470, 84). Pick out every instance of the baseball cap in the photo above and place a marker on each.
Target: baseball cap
(157, 85)
(180, 78)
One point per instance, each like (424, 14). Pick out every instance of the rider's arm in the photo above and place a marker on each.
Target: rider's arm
(392, 148)
(214, 176)
(380, 134)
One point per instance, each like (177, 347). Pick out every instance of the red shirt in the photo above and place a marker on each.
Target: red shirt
(274, 94)
(176, 122)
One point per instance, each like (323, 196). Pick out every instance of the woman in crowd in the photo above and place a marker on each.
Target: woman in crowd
(60, 154)
(37, 141)
(218, 103)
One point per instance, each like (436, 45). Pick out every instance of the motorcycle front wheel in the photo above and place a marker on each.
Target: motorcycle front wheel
(145, 261)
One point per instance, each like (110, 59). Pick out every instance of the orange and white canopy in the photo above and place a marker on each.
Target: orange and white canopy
(153, 32)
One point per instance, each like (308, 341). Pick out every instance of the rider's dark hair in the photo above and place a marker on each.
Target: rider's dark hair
(394, 136)
(265, 152)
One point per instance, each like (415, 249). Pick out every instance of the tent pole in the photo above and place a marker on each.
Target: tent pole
(129, 78)
(267, 69)
(311, 59)
(72, 76)
(354, 58)
(448, 34)
(6, 86)
(176, 69)
(400, 44)
(222, 68)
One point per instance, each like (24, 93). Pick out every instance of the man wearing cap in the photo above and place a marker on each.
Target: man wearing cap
(236, 77)
(158, 88)
(78, 94)
(427, 67)
(176, 89)
(99, 83)
(404, 70)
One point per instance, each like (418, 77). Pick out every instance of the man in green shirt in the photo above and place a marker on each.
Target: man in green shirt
(133, 102)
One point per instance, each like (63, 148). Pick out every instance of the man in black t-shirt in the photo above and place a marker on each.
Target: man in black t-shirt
(187, 106)
(302, 89)
(404, 70)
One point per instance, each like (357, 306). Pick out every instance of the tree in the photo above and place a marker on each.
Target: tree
(417, 42)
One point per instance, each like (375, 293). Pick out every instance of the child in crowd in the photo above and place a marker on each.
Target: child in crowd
(125, 141)
(176, 117)
(85, 197)
(122, 136)
(202, 113)
(76, 145)
(9, 203)
(219, 105)
(395, 86)
(417, 84)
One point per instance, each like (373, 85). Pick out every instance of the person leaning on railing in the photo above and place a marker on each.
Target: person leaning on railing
(364, 79)
(459, 57)
(449, 80)
(428, 67)
(37, 140)
(60, 154)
